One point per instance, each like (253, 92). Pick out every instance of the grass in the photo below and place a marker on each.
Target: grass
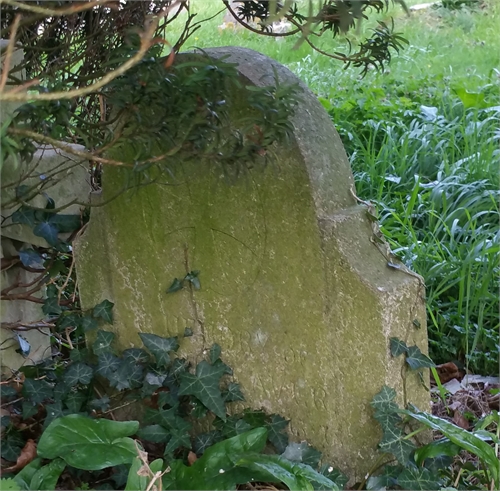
(423, 142)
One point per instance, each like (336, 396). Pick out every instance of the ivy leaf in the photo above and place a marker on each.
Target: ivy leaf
(416, 359)
(393, 442)
(78, 373)
(101, 404)
(384, 400)
(36, 391)
(215, 352)
(61, 390)
(53, 411)
(24, 346)
(107, 364)
(24, 215)
(160, 347)
(175, 286)
(137, 355)
(31, 258)
(420, 479)
(205, 440)
(65, 223)
(103, 310)
(69, 320)
(188, 332)
(28, 409)
(88, 323)
(179, 438)
(205, 386)
(47, 231)
(51, 306)
(154, 433)
(276, 435)
(398, 347)
(302, 452)
(192, 277)
(233, 393)
(103, 341)
(127, 376)
(335, 475)
(12, 443)
(75, 401)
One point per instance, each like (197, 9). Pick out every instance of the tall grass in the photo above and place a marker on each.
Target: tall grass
(423, 138)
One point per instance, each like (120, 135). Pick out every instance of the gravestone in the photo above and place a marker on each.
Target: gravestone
(293, 289)
(65, 179)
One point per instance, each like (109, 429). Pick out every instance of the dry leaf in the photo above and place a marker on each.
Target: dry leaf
(460, 420)
(28, 453)
(447, 372)
(192, 458)
(144, 471)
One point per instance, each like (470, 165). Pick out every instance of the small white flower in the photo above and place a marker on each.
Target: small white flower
(330, 469)
(221, 471)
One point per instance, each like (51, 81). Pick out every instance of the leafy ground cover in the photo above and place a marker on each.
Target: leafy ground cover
(423, 142)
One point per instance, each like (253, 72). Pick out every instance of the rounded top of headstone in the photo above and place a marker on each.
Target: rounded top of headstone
(319, 144)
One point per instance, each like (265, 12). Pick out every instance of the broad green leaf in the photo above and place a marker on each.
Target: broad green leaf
(462, 438)
(103, 341)
(419, 479)
(295, 476)
(140, 483)
(104, 311)
(154, 433)
(25, 475)
(215, 469)
(398, 347)
(47, 476)
(78, 373)
(9, 484)
(160, 347)
(434, 449)
(89, 444)
(47, 231)
(36, 391)
(205, 386)
(416, 359)
(471, 99)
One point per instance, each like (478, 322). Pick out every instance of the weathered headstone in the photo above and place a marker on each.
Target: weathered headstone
(292, 287)
(53, 173)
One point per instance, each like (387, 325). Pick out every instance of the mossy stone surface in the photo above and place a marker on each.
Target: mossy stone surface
(293, 290)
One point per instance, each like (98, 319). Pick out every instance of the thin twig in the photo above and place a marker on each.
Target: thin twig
(146, 43)
(10, 50)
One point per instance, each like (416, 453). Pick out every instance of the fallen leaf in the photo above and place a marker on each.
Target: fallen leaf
(192, 458)
(447, 372)
(28, 453)
(460, 420)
